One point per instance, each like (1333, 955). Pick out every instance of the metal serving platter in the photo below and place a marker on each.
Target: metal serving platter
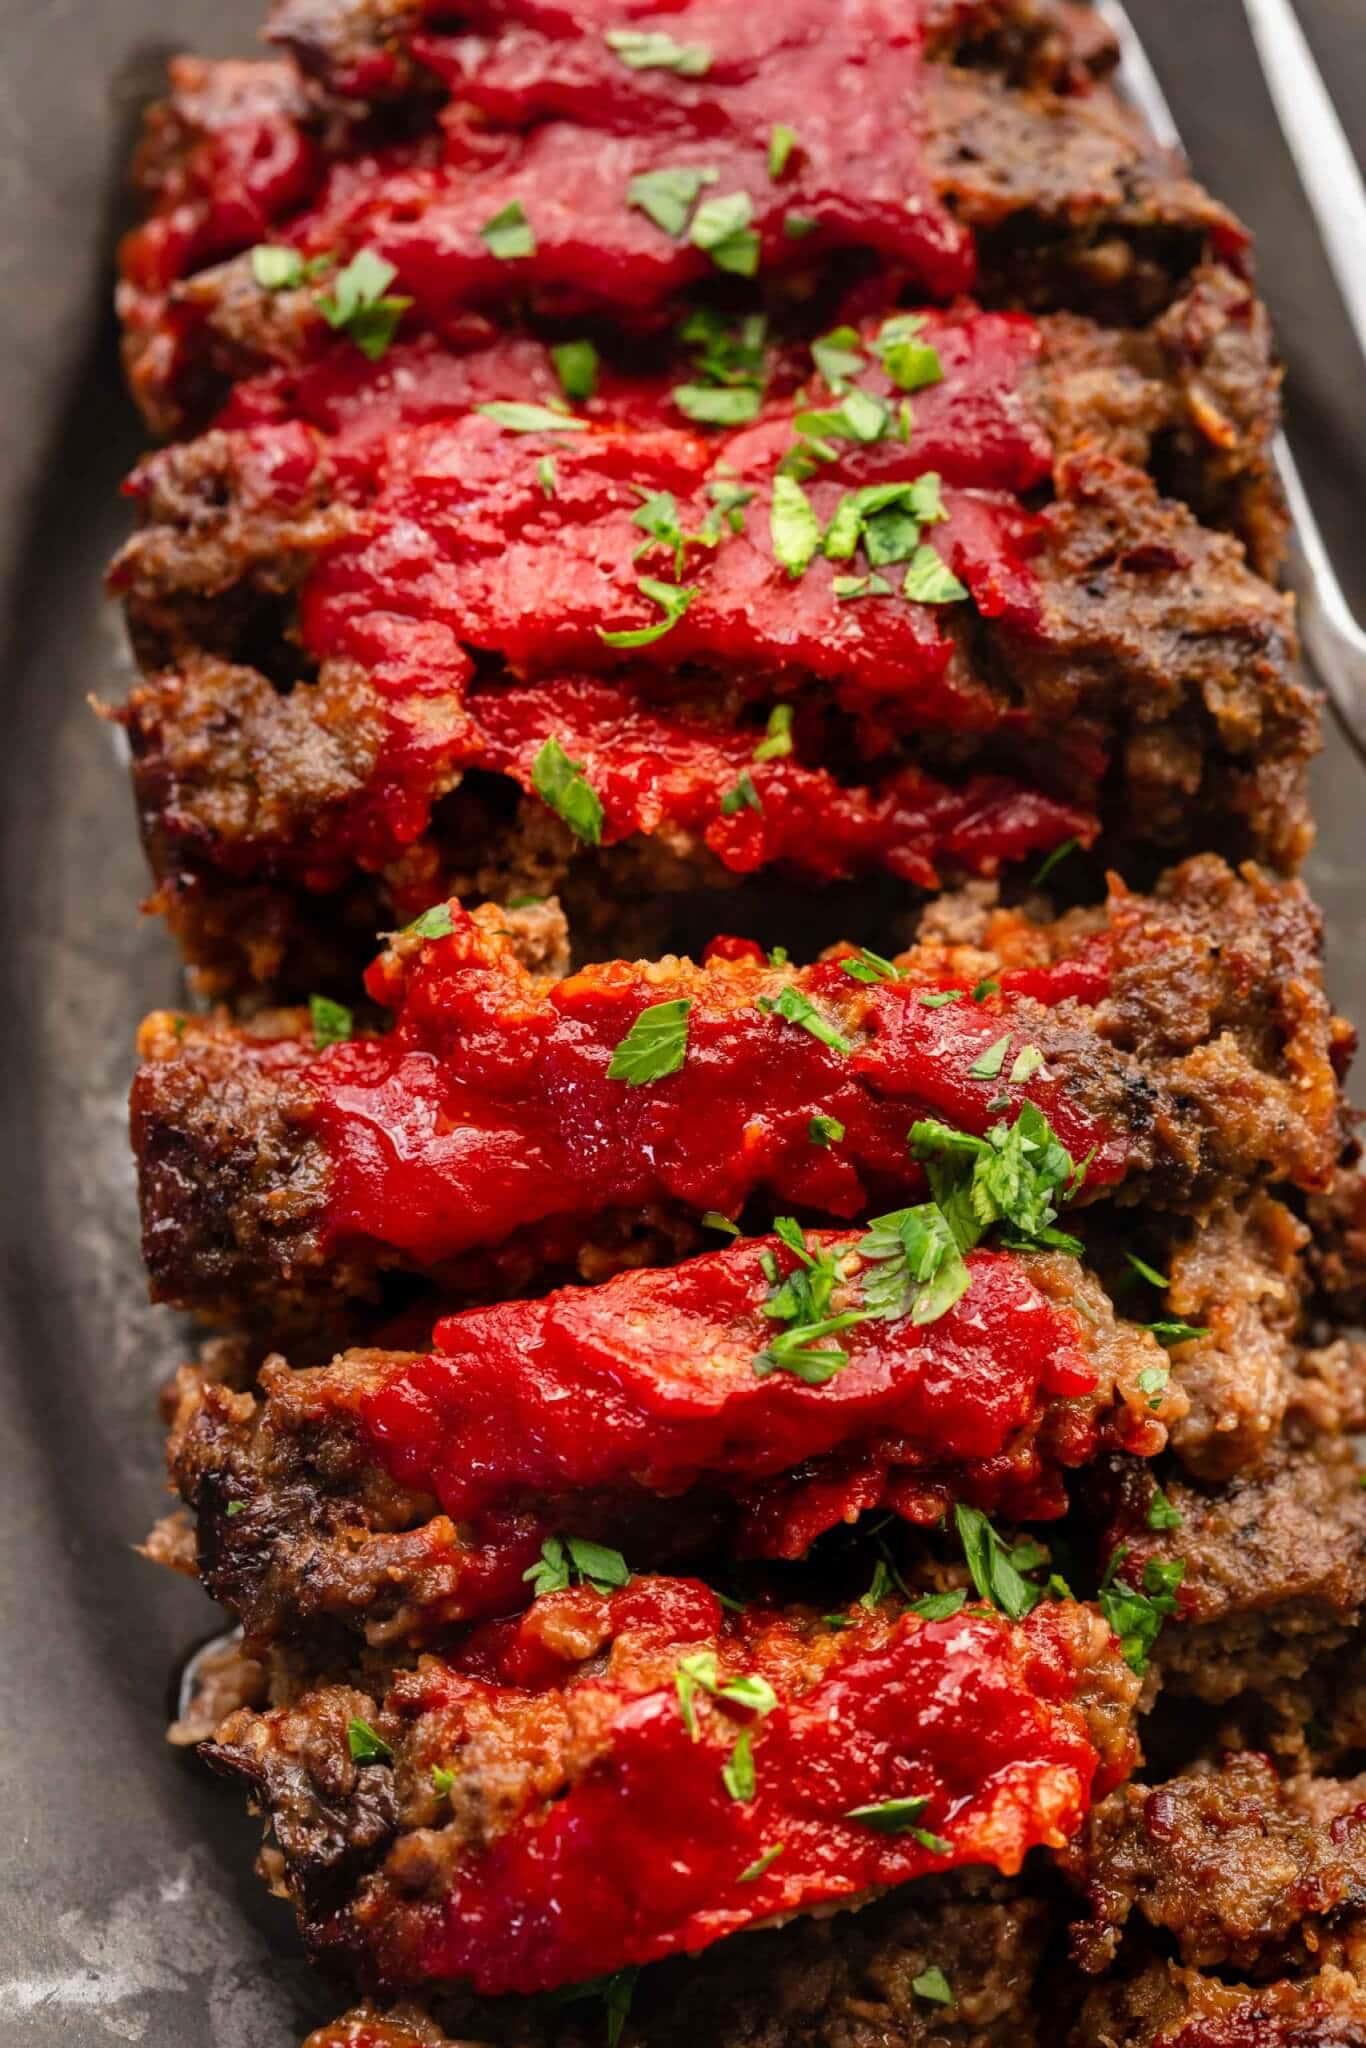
(128, 1912)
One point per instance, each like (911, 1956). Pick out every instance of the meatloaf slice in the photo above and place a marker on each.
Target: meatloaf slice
(1169, 2007)
(611, 1779)
(1038, 199)
(396, 1494)
(1179, 1044)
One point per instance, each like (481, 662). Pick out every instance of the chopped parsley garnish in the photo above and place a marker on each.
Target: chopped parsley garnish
(278, 269)
(920, 1269)
(850, 587)
(737, 1773)
(929, 580)
(361, 306)
(867, 966)
(782, 140)
(838, 356)
(235, 1507)
(993, 1574)
(858, 417)
(1161, 1513)
(721, 227)
(656, 1044)
(938, 998)
(802, 1301)
(939, 1606)
(333, 1023)
(1176, 1333)
(985, 989)
(561, 783)
(519, 418)
(741, 794)
(1050, 861)
(669, 196)
(777, 740)
(443, 1780)
(1152, 1384)
(617, 1993)
(697, 1672)
(657, 516)
(726, 351)
(546, 475)
(673, 600)
(576, 366)
(797, 226)
(1135, 1615)
(909, 362)
(1147, 1272)
(825, 1130)
(436, 923)
(651, 50)
(892, 1817)
(1012, 1176)
(508, 234)
(366, 1745)
(794, 526)
(795, 1007)
(885, 518)
(988, 1064)
(1028, 1062)
(760, 1864)
(933, 1986)
(730, 501)
(573, 1560)
(712, 1219)
(717, 405)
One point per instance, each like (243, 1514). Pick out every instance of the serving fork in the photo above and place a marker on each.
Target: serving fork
(1334, 641)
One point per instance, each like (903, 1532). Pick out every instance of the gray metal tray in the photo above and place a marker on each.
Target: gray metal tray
(128, 1912)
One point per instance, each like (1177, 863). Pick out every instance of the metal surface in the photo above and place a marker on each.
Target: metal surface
(127, 1909)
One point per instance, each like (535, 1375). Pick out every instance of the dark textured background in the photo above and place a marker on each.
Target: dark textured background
(127, 1908)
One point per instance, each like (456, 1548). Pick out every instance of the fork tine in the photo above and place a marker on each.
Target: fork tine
(1333, 641)
(1323, 156)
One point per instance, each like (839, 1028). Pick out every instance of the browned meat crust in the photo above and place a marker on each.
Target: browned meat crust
(1241, 1869)
(1170, 2007)
(1274, 1565)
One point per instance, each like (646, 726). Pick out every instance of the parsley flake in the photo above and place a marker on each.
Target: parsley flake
(721, 227)
(333, 1023)
(730, 501)
(870, 967)
(366, 1745)
(988, 1064)
(278, 268)
(656, 1044)
(825, 1130)
(1050, 861)
(361, 306)
(802, 1301)
(796, 1007)
(519, 418)
(858, 417)
(561, 783)
(712, 1219)
(939, 1606)
(1028, 1062)
(777, 740)
(743, 793)
(782, 140)
(547, 476)
(673, 600)
(443, 1780)
(795, 529)
(929, 580)
(933, 1986)
(1161, 1513)
(760, 1864)
(1147, 1272)
(651, 50)
(920, 1268)
(436, 923)
(718, 405)
(1152, 1383)
(574, 1560)
(576, 366)
(937, 998)
(737, 1773)
(993, 1574)
(838, 356)
(1136, 1615)
(909, 362)
(1177, 1333)
(508, 234)
(668, 196)
(849, 587)
(892, 1817)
